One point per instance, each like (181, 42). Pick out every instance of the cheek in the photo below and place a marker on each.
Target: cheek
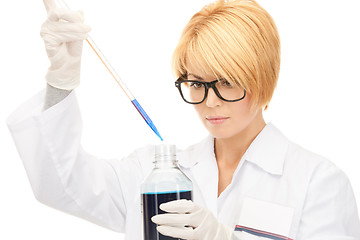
(242, 108)
(199, 108)
(242, 113)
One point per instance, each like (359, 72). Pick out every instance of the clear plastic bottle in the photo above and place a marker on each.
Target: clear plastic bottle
(165, 183)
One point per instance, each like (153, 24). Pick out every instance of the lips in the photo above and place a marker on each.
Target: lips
(216, 119)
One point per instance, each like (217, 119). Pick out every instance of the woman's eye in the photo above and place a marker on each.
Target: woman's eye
(196, 85)
(225, 83)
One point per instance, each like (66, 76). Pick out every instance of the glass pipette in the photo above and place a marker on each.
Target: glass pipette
(117, 78)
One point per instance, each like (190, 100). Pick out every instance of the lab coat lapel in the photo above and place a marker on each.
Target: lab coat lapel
(202, 164)
(268, 150)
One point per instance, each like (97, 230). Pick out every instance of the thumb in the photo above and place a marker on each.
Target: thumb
(180, 206)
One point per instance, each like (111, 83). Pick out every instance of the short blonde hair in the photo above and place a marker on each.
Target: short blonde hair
(236, 40)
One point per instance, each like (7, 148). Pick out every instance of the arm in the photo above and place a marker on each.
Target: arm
(62, 175)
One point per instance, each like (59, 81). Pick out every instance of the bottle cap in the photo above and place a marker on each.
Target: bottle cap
(165, 152)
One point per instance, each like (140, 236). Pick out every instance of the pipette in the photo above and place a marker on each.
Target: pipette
(117, 78)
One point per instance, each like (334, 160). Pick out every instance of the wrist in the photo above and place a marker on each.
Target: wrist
(54, 95)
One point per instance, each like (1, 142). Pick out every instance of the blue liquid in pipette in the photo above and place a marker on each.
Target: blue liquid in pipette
(146, 117)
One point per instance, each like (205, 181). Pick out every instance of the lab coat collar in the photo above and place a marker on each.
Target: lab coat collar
(267, 151)
(203, 150)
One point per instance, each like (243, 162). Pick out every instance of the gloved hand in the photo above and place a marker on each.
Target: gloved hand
(187, 220)
(63, 33)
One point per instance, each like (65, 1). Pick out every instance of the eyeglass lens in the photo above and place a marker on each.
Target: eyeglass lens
(194, 91)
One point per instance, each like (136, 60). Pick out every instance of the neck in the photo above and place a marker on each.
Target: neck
(229, 151)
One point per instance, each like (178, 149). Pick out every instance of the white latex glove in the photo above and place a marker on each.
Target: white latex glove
(63, 33)
(187, 220)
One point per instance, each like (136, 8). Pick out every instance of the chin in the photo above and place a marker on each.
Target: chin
(221, 133)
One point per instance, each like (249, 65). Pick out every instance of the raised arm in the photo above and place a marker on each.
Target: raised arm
(63, 175)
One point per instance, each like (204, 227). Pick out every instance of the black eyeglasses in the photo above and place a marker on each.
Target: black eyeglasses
(195, 92)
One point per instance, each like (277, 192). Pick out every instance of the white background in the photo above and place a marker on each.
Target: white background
(316, 103)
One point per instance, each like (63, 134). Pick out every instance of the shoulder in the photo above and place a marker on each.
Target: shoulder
(313, 170)
(298, 162)
(328, 198)
(321, 191)
(138, 161)
(304, 160)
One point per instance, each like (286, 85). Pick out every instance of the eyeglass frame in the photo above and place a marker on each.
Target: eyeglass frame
(207, 86)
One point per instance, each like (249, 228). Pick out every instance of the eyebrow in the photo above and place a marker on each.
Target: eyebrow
(196, 76)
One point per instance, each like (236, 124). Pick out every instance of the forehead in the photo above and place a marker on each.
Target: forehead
(200, 72)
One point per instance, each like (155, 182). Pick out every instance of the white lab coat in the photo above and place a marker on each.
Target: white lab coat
(278, 187)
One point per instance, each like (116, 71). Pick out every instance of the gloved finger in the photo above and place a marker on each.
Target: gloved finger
(55, 51)
(64, 27)
(170, 219)
(180, 206)
(75, 48)
(66, 14)
(53, 42)
(49, 5)
(55, 33)
(177, 232)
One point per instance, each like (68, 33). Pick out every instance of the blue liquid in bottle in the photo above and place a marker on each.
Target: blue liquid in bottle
(151, 203)
(165, 183)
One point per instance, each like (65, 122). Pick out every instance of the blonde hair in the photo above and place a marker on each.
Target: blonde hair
(236, 40)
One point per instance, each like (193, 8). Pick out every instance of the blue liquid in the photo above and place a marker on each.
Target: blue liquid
(146, 117)
(151, 203)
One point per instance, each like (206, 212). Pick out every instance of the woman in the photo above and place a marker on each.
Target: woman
(250, 182)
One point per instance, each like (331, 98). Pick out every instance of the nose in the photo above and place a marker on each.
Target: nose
(212, 100)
